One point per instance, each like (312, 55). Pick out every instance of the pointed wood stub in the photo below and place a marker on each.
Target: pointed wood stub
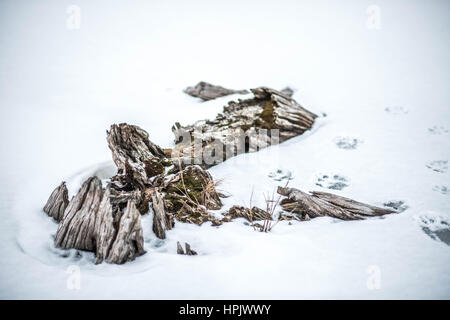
(76, 229)
(95, 220)
(57, 202)
(129, 241)
(162, 220)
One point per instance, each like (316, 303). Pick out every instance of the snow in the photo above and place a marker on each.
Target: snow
(60, 90)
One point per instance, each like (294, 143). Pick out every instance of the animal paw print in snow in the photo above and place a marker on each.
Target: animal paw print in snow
(334, 182)
(442, 189)
(396, 110)
(440, 166)
(280, 175)
(347, 143)
(397, 205)
(436, 227)
(438, 130)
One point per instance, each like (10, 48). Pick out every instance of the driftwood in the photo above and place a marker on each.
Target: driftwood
(319, 204)
(57, 203)
(207, 91)
(244, 126)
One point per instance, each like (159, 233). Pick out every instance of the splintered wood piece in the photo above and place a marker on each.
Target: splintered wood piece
(57, 202)
(129, 241)
(92, 222)
(136, 157)
(319, 204)
(162, 220)
(76, 229)
(248, 125)
(179, 248)
(207, 91)
(189, 251)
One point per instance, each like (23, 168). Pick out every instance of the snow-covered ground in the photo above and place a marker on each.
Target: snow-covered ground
(388, 88)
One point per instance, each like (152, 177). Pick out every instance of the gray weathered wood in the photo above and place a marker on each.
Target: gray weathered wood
(188, 252)
(180, 249)
(57, 202)
(136, 157)
(319, 204)
(92, 222)
(162, 220)
(207, 91)
(249, 122)
(76, 229)
(129, 241)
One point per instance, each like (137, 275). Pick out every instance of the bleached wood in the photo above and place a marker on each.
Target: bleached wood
(207, 91)
(57, 202)
(319, 204)
(162, 220)
(249, 120)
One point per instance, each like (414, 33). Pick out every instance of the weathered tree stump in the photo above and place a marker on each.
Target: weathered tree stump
(93, 223)
(207, 91)
(107, 221)
(136, 157)
(320, 204)
(271, 117)
(77, 228)
(57, 203)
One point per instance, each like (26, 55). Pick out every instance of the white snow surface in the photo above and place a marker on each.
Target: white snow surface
(60, 90)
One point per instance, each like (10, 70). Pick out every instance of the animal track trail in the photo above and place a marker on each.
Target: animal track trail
(397, 205)
(437, 227)
(280, 175)
(438, 130)
(347, 142)
(440, 166)
(442, 189)
(332, 181)
(396, 110)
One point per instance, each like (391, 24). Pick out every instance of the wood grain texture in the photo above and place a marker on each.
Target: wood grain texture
(57, 202)
(249, 121)
(320, 204)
